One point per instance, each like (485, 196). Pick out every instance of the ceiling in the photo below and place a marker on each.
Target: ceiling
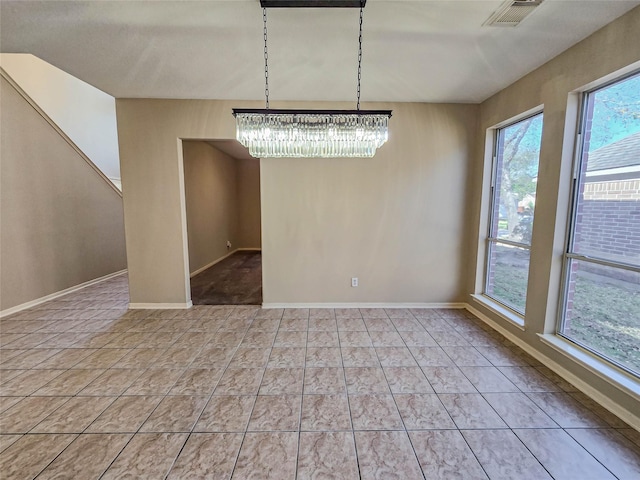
(414, 50)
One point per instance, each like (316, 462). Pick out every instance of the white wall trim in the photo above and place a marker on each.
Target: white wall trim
(61, 293)
(584, 387)
(211, 264)
(160, 306)
(503, 312)
(364, 305)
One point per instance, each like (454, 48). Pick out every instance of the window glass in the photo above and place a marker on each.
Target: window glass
(513, 202)
(602, 281)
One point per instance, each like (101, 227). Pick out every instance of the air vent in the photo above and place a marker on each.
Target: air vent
(512, 13)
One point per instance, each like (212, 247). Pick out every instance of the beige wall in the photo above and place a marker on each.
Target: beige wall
(248, 185)
(62, 224)
(396, 221)
(210, 179)
(608, 50)
(87, 115)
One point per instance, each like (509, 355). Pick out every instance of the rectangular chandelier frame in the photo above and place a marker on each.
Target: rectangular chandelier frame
(312, 3)
(273, 133)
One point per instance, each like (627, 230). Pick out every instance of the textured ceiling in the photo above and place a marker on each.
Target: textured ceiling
(414, 50)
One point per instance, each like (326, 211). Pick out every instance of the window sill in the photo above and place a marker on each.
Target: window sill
(593, 363)
(503, 312)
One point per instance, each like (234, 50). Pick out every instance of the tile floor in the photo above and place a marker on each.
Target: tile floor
(91, 390)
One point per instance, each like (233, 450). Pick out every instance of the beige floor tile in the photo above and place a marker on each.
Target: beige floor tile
(423, 411)
(29, 358)
(488, 380)
(503, 456)
(290, 339)
(291, 324)
(240, 381)
(327, 455)
(27, 382)
(283, 357)
(354, 338)
(267, 456)
(395, 357)
(325, 413)
(566, 411)
(327, 339)
(359, 357)
(611, 449)
(7, 440)
(418, 338)
(379, 324)
(282, 381)
(8, 402)
(31, 454)
(112, 382)
(103, 358)
(366, 380)
(66, 358)
(28, 412)
(250, 358)
(528, 379)
(124, 415)
(374, 412)
(444, 454)
(147, 455)
(518, 411)
(386, 455)
(207, 455)
(275, 413)
(226, 414)
(431, 357)
(88, 456)
(448, 380)
(197, 381)
(407, 380)
(74, 416)
(175, 357)
(176, 413)
(466, 356)
(380, 338)
(324, 381)
(323, 357)
(155, 381)
(140, 358)
(213, 357)
(469, 410)
(327, 323)
(562, 456)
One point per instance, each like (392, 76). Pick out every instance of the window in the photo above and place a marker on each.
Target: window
(513, 202)
(601, 301)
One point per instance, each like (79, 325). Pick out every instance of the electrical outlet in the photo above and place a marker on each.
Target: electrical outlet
(354, 281)
(228, 244)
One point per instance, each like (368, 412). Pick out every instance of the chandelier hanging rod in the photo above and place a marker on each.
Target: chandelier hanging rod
(284, 111)
(312, 3)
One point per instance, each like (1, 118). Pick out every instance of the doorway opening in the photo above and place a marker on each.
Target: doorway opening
(222, 203)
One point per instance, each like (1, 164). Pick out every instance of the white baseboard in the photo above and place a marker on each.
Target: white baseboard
(364, 305)
(606, 402)
(61, 293)
(160, 306)
(211, 264)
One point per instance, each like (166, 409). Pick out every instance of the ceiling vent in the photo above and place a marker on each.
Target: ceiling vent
(512, 13)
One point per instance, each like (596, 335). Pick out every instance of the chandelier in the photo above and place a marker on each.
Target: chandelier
(311, 133)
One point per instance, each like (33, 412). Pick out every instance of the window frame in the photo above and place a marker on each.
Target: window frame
(490, 238)
(569, 254)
